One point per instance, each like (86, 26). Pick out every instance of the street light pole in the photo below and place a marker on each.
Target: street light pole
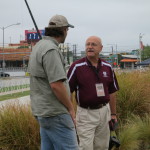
(3, 28)
(116, 58)
(3, 63)
(140, 48)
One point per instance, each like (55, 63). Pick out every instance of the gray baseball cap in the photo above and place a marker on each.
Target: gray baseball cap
(59, 21)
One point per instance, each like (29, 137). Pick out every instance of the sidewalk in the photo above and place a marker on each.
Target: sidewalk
(21, 101)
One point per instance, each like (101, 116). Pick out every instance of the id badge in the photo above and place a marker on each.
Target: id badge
(100, 89)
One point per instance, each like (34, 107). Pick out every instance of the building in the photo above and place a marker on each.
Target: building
(15, 55)
(129, 61)
(145, 63)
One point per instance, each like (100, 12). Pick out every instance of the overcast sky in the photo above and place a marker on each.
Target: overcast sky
(117, 22)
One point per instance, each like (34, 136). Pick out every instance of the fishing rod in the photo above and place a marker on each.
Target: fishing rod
(33, 20)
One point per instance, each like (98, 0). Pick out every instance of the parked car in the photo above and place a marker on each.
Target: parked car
(3, 74)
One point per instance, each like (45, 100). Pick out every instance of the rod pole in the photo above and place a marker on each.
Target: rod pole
(33, 20)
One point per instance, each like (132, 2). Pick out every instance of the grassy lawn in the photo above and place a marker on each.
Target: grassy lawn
(11, 88)
(14, 95)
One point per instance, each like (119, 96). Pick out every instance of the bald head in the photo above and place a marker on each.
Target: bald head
(93, 47)
(94, 38)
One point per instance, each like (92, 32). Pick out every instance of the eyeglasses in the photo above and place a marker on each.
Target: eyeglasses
(92, 44)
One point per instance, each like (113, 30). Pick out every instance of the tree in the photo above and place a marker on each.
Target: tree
(145, 54)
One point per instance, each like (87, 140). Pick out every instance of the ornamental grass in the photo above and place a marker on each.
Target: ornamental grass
(135, 134)
(134, 94)
(18, 129)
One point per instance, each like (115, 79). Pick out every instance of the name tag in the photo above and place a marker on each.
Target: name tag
(100, 89)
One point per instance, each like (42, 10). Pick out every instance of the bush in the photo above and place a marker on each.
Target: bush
(18, 128)
(134, 94)
(128, 136)
(135, 134)
(20, 131)
(133, 109)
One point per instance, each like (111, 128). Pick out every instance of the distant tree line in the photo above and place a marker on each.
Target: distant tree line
(145, 53)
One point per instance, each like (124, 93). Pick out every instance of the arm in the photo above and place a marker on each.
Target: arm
(112, 104)
(61, 93)
(113, 87)
(56, 74)
(73, 100)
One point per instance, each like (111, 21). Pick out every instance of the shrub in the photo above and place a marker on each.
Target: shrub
(128, 136)
(133, 96)
(20, 131)
(135, 134)
(18, 128)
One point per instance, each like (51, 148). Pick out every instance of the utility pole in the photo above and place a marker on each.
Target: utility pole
(116, 55)
(74, 52)
(112, 50)
(68, 58)
(63, 48)
(140, 48)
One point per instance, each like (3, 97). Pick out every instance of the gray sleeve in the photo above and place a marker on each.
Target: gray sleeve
(53, 66)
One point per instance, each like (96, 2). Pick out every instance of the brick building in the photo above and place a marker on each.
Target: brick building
(15, 55)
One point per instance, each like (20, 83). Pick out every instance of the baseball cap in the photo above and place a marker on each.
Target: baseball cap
(59, 21)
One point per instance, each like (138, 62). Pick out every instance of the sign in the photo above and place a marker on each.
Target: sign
(32, 35)
(115, 64)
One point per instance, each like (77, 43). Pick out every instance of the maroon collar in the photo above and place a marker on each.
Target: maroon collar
(90, 64)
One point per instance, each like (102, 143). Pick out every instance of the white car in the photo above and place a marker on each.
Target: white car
(3, 74)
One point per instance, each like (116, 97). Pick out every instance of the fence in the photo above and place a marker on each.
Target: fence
(12, 85)
(9, 69)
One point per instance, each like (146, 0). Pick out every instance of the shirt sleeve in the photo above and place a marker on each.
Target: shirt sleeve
(72, 78)
(53, 66)
(113, 87)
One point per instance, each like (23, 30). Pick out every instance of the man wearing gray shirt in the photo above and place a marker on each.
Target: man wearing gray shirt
(50, 99)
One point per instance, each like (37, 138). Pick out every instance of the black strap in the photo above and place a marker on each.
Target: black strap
(96, 71)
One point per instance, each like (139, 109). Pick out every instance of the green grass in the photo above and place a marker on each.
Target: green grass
(12, 88)
(14, 95)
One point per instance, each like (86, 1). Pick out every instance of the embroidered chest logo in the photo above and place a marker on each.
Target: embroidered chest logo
(105, 74)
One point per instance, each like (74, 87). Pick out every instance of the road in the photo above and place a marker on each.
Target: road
(16, 73)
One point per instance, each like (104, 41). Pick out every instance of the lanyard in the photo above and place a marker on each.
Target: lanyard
(94, 69)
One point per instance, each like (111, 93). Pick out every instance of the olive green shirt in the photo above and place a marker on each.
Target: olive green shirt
(46, 66)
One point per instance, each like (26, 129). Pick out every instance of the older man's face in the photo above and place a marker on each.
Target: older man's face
(93, 47)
